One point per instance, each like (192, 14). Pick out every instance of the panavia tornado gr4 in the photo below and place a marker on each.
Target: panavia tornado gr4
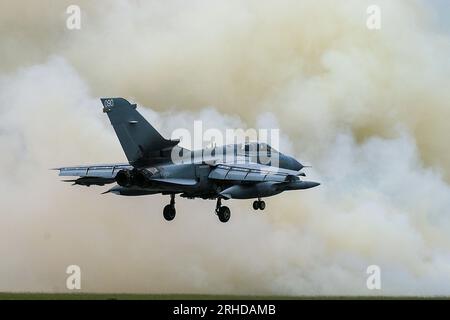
(157, 165)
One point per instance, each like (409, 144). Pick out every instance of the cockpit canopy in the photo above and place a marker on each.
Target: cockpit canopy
(257, 147)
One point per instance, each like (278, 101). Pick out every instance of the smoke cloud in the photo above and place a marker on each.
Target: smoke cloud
(368, 109)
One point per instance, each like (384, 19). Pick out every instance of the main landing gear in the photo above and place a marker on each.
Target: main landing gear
(223, 212)
(169, 211)
(259, 204)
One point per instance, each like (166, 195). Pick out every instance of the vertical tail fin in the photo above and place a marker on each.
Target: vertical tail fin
(141, 142)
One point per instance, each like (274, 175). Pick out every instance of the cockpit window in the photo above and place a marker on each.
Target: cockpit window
(257, 147)
(264, 147)
(250, 146)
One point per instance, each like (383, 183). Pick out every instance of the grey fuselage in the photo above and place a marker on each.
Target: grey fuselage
(191, 176)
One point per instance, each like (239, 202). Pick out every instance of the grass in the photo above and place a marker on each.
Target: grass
(126, 296)
(129, 296)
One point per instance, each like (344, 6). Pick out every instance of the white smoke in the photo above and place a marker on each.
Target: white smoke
(368, 109)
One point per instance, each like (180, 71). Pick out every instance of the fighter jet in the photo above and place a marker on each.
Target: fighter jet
(159, 166)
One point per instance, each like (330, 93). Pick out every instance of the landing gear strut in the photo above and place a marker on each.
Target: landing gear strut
(223, 212)
(169, 211)
(259, 204)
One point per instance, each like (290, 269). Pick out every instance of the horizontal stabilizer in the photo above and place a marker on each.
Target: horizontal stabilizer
(98, 171)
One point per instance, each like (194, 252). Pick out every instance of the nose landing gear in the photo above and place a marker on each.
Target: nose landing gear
(223, 212)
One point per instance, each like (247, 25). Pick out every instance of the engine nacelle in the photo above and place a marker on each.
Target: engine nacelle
(129, 178)
(124, 178)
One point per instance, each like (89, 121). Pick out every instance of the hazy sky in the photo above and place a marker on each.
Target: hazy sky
(442, 12)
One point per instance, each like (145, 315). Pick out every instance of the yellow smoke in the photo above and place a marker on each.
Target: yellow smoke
(368, 109)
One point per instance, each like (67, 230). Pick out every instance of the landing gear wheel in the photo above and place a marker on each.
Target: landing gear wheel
(261, 205)
(169, 212)
(224, 214)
